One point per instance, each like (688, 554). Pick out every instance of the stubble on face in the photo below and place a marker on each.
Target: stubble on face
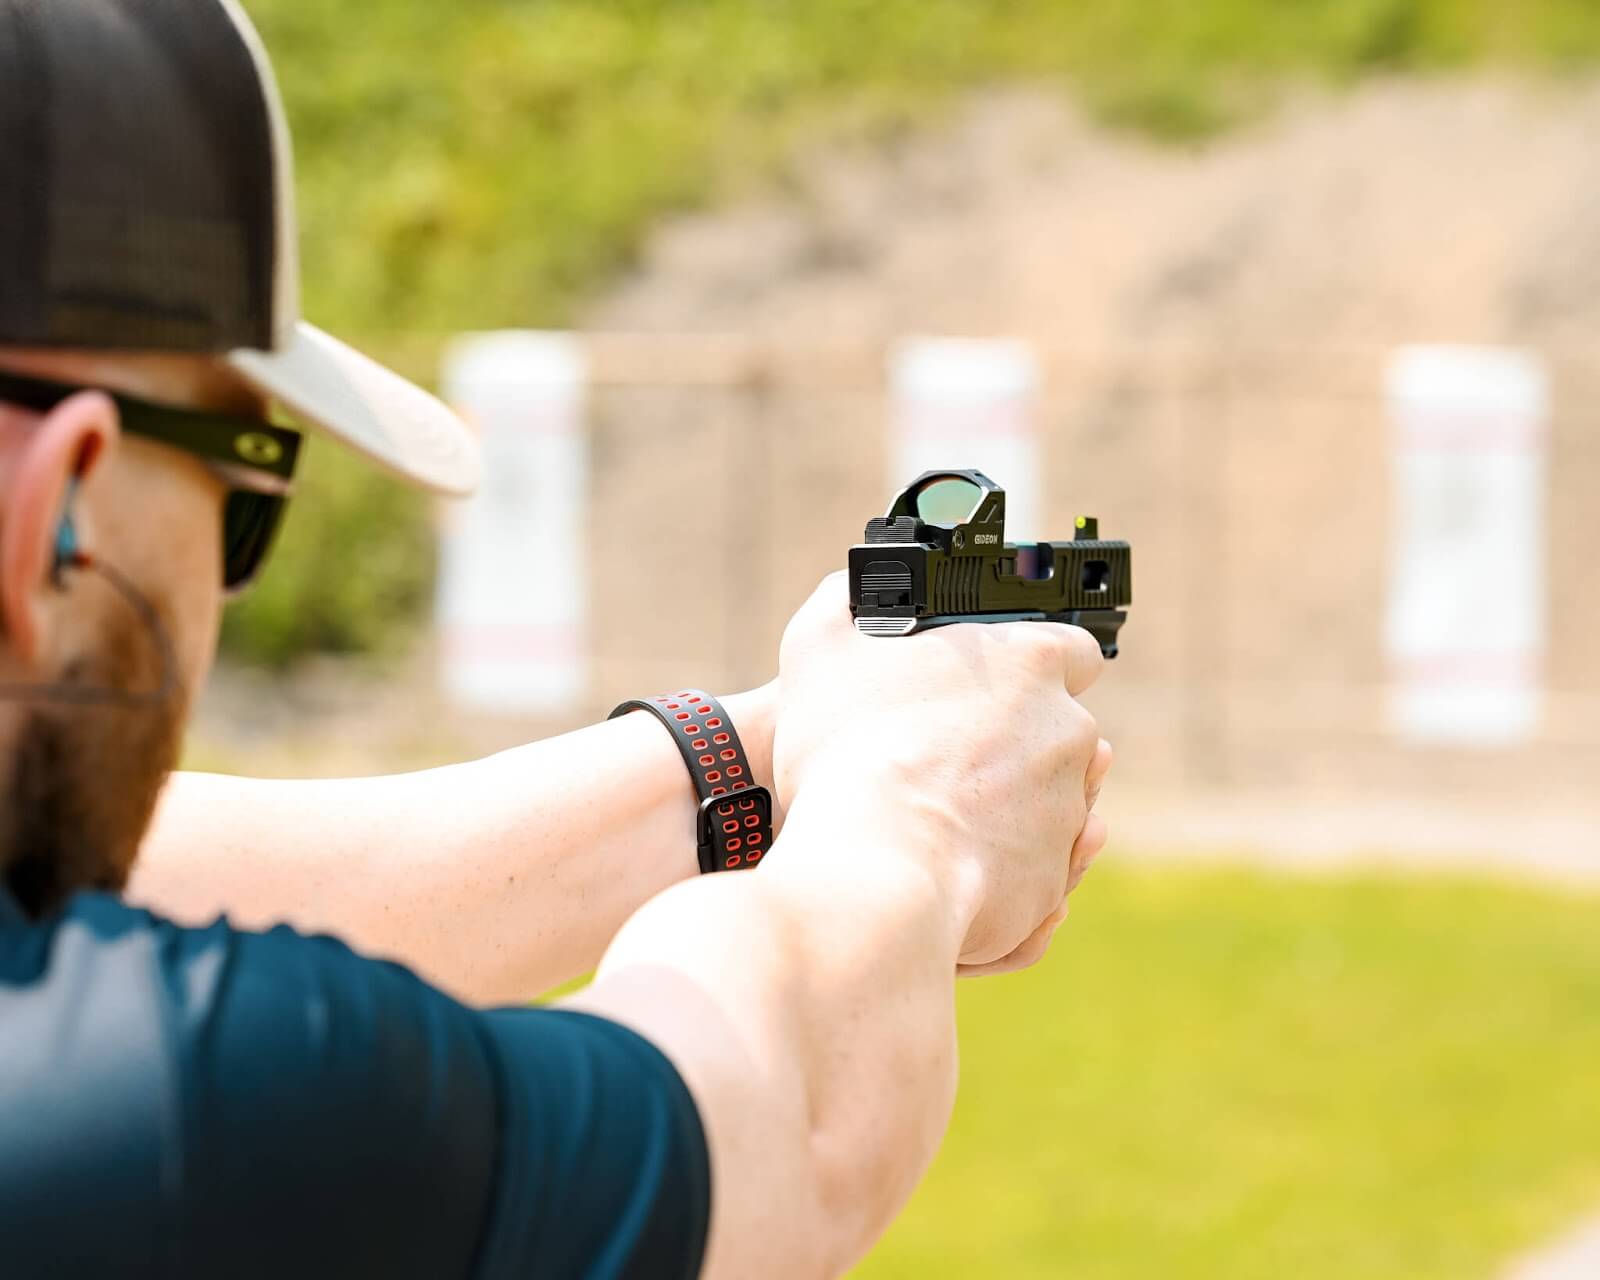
(80, 782)
(85, 778)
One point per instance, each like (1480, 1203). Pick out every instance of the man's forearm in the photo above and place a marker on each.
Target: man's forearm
(495, 879)
(810, 1008)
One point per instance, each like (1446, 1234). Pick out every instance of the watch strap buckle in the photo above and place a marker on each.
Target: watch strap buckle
(734, 831)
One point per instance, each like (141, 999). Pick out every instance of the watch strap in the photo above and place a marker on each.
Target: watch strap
(733, 827)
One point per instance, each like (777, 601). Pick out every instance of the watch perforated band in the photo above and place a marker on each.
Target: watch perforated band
(733, 827)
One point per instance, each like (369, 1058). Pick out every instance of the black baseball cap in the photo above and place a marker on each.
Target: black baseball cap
(147, 204)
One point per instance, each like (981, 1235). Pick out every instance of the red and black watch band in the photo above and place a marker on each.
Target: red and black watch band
(733, 828)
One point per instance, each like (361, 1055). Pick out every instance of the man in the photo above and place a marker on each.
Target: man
(766, 1060)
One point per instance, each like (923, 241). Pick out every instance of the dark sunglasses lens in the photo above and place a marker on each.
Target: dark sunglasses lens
(250, 522)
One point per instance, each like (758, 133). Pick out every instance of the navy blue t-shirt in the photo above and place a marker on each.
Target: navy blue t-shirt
(210, 1102)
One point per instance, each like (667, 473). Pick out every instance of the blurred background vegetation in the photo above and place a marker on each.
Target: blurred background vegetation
(489, 163)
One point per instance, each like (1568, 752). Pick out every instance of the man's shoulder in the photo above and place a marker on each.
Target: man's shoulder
(81, 997)
(91, 1100)
(196, 1084)
(102, 979)
(211, 1017)
(206, 1086)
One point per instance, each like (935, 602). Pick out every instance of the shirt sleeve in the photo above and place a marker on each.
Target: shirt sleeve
(321, 1114)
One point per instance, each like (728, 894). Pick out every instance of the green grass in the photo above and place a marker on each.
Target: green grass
(469, 164)
(1225, 1074)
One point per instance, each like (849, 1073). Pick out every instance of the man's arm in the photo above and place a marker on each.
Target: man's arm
(935, 793)
(935, 790)
(495, 879)
(810, 1010)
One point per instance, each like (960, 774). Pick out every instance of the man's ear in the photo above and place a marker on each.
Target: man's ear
(66, 446)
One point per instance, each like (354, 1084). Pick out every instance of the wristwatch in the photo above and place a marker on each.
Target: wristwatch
(733, 828)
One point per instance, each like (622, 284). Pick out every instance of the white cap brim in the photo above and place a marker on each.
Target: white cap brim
(358, 402)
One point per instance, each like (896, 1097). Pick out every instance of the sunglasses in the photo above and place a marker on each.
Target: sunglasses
(254, 459)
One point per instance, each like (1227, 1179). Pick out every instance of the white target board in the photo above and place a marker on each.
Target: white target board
(514, 566)
(1465, 627)
(969, 402)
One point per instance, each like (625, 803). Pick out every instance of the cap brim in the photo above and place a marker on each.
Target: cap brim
(357, 401)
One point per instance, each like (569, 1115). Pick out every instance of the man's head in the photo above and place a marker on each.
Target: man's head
(80, 776)
(148, 315)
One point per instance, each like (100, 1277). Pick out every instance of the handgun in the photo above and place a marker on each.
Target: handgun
(939, 555)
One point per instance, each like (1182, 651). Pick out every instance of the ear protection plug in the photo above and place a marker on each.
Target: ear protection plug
(68, 554)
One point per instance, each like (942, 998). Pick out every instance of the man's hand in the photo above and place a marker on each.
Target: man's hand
(972, 733)
(1087, 848)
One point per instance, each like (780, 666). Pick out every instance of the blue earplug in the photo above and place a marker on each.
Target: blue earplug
(67, 552)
